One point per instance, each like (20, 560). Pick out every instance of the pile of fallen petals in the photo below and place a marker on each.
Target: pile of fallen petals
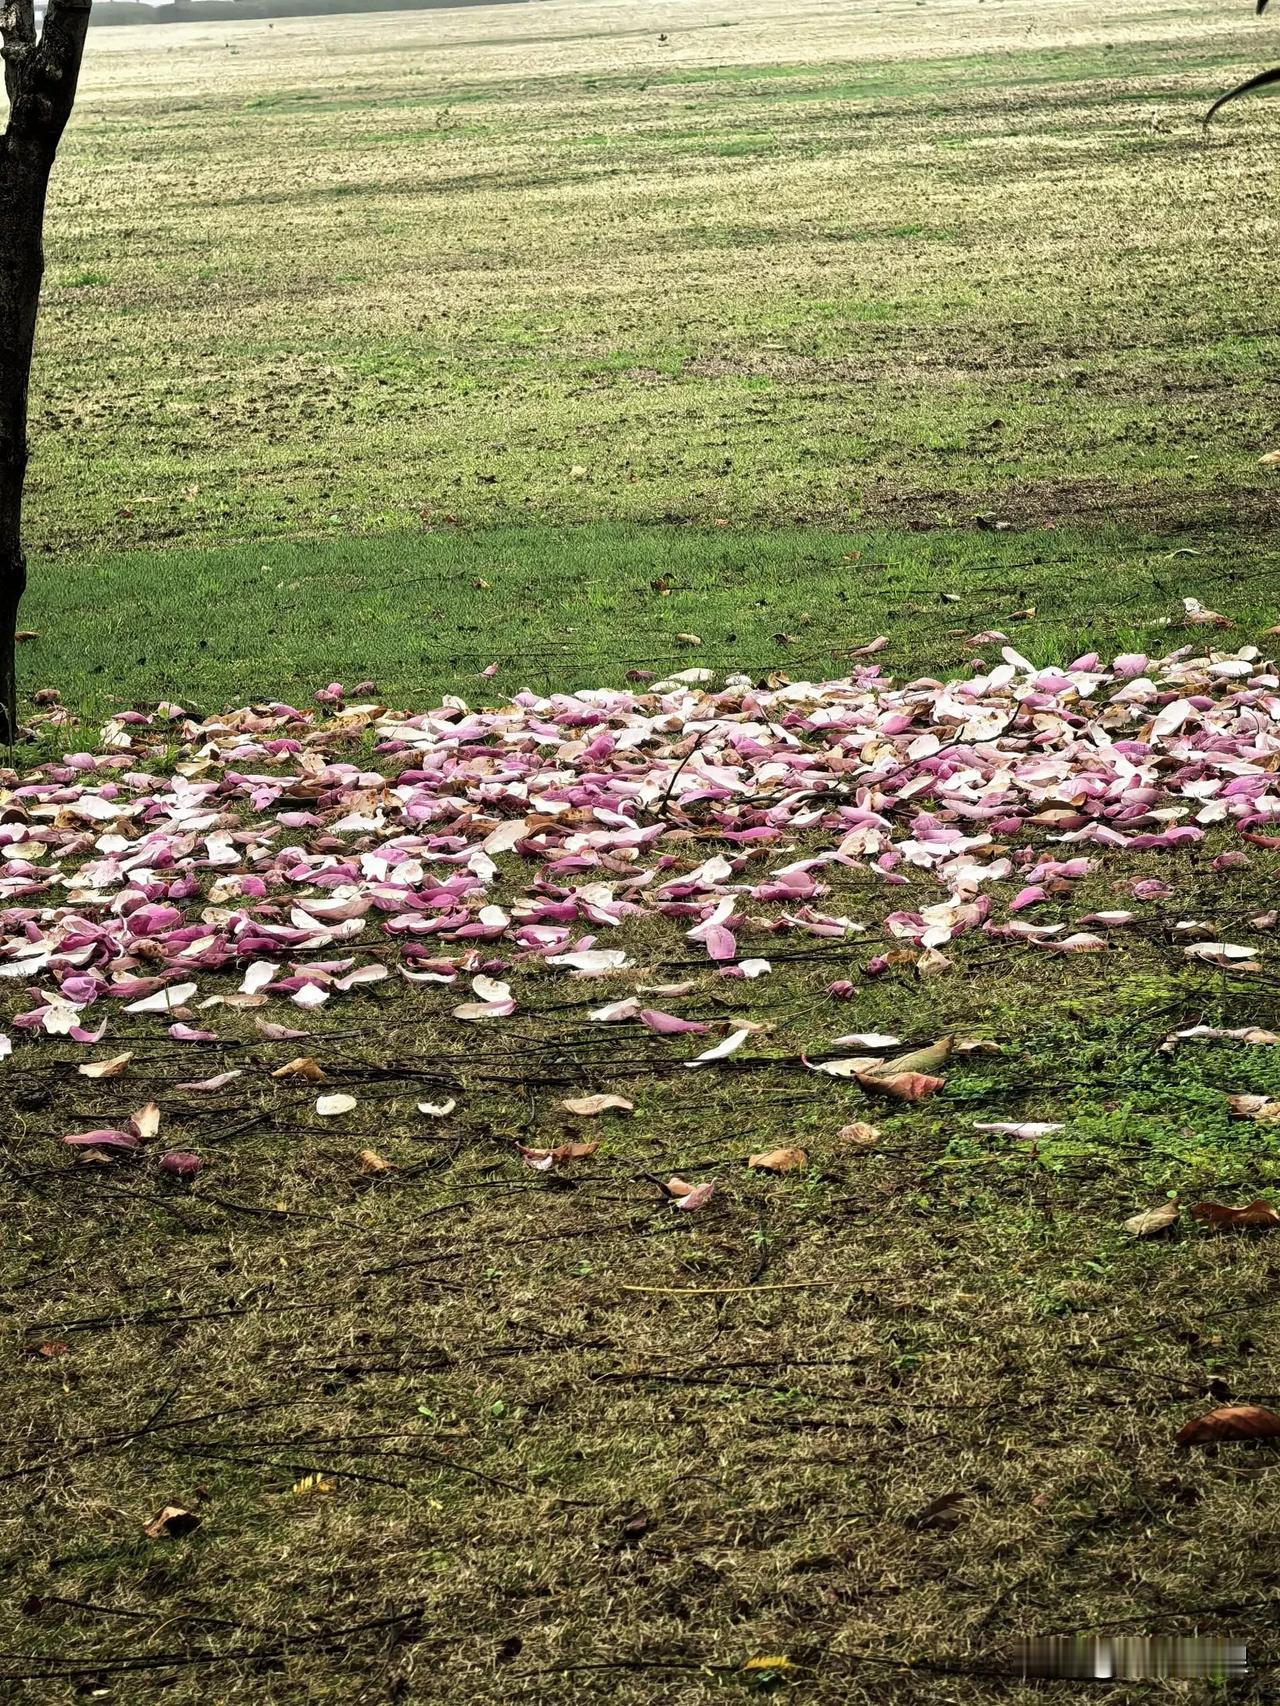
(305, 853)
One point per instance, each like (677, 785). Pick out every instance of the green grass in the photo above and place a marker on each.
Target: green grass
(392, 353)
(573, 607)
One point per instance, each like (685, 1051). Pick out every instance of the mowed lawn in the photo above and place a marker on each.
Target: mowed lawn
(400, 347)
(398, 282)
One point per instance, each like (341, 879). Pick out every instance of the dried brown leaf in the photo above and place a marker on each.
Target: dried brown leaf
(905, 1086)
(780, 1160)
(303, 1067)
(589, 1106)
(105, 1068)
(1264, 1109)
(171, 1522)
(1257, 1216)
(1233, 1421)
(1153, 1221)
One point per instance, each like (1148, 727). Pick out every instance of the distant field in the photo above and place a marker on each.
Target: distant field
(814, 266)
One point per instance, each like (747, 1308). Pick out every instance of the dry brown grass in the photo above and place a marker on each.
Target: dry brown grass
(850, 263)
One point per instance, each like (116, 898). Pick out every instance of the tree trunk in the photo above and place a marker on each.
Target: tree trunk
(40, 76)
(22, 188)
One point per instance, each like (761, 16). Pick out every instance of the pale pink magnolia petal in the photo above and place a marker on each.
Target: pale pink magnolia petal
(668, 1025)
(594, 962)
(277, 1033)
(106, 1139)
(360, 976)
(1025, 1129)
(726, 1046)
(310, 995)
(541, 1160)
(437, 1110)
(697, 1198)
(849, 1067)
(164, 1000)
(1030, 896)
(506, 836)
(480, 1010)
(720, 943)
(217, 1082)
(258, 975)
(181, 1163)
(78, 1034)
(328, 1107)
(146, 1122)
(1220, 953)
(188, 1034)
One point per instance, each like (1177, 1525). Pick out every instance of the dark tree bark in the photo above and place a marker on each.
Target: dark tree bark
(40, 75)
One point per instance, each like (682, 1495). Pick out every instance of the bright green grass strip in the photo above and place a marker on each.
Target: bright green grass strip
(571, 607)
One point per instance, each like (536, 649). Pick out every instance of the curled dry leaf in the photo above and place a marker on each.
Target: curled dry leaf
(303, 1067)
(1152, 1222)
(927, 1060)
(372, 1162)
(905, 1086)
(171, 1522)
(589, 1106)
(328, 1106)
(105, 1068)
(936, 1513)
(1257, 1216)
(1265, 1109)
(933, 963)
(543, 1160)
(1233, 1421)
(780, 1160)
